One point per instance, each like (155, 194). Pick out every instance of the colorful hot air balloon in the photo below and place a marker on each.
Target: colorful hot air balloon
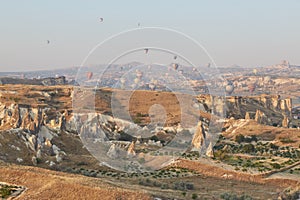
(251, 87)
(89, 75)
(175, 66)
(229, 89)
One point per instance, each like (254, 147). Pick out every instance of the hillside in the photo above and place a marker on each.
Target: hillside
(255, 141)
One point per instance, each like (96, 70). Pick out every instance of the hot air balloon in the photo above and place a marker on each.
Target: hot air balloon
(89, 75)
(175, 66)
(101, 19)
(267, 79)
(229, 89)
(136, 81)
(152, 86)
(146, 51)
(255, 71)
(122, 80)
(139, 74)
(251, 87)
(133, 86)
(154, 81)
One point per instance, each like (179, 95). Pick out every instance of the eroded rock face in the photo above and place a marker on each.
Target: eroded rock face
(113, 152)
(285, 122)
(260, 117)
(199, 137)
(272, 106)
(277, 104)
(209, 151)
(31, 119)
(130, 151)
(13, 116)
(38, 124)
(247, 116)
(10, 115)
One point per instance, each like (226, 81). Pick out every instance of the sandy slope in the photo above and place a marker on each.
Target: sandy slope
(46, 184)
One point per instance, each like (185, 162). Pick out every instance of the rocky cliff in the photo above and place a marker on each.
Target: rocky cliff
(265, 109)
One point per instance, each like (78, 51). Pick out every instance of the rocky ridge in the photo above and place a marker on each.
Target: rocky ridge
(32, 128)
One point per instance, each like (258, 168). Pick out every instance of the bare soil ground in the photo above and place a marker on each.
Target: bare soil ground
(46, 184)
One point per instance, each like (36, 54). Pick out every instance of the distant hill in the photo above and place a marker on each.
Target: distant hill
(45, 81)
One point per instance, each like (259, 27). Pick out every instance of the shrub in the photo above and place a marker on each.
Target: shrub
(139, 115)
(239, 138)
(194, 196)
(275, 165)
(254, 138)
(5, 191)
(81, 163)
(248, 148)
(273, 146)
(164, 186)
(155, 138)
(287, 140)
(189, 186)
(229, 196)
(137, 120)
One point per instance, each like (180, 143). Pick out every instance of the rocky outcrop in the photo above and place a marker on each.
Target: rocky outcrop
(273, 107)
(285, 122)
(209, 151)
(199, 137)
(276, 103)
(247, 116)
(113, 152)
(260, 117)
(130, 151)
(34, 160)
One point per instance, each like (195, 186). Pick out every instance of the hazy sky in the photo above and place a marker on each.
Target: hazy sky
(247, 33)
